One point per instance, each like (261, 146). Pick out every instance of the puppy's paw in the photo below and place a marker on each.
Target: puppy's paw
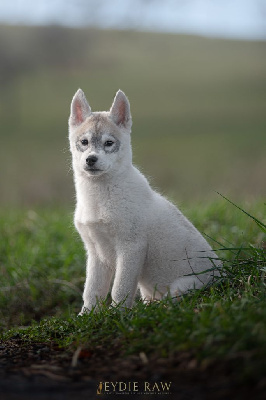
(84, 311)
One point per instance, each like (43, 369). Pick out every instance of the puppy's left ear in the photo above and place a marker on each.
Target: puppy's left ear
(120, 110)
(79, 109)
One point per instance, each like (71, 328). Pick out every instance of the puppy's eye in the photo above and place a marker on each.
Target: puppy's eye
(84, 142)
(108, 143)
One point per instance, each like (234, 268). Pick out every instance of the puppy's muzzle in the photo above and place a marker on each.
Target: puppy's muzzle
(91, 160)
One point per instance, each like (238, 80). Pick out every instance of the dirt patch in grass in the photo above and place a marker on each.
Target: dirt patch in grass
(46, 371)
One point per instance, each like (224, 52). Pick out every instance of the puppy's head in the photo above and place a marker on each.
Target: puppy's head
(100, 141)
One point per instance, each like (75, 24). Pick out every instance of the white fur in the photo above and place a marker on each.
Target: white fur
(133, 236)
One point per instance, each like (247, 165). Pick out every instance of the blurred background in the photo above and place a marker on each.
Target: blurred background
(194, 72)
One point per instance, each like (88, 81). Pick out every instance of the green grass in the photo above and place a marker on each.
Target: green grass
(216, 325)
(42, 263)
(42, 259)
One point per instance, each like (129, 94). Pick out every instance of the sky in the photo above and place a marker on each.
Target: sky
(240, 19)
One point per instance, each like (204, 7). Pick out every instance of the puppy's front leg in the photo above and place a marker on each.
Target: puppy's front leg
(129, 266)
(98, 279)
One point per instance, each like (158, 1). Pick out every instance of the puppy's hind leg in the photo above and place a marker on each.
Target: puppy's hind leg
(185, 284)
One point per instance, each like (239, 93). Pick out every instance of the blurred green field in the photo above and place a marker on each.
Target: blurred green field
(198, 110)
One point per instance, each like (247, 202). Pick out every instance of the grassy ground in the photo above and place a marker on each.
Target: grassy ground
(42, 263)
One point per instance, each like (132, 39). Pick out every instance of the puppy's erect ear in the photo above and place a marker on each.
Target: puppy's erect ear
(120, 110)
(79, 109)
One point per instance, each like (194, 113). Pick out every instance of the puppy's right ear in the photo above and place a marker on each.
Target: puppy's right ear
(79, 109)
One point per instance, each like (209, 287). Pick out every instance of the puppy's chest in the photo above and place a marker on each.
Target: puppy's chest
(99, 237)
(96, 231)
(105, 220)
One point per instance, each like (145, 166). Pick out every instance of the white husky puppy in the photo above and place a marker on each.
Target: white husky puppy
(133, 236)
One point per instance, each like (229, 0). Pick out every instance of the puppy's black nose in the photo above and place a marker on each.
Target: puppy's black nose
(91, 160)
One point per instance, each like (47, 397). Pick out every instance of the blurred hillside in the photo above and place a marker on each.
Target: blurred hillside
(198, 109)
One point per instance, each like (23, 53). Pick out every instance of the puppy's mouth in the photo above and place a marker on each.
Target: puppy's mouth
(92, 170)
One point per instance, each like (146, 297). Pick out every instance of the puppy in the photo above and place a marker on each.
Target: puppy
(133, 236)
